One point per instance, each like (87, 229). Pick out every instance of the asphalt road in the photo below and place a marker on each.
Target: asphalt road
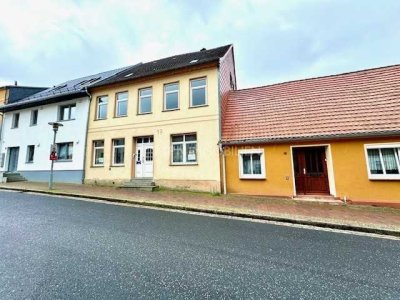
(55, 248)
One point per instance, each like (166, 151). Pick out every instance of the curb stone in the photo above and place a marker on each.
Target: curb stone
(331, 225)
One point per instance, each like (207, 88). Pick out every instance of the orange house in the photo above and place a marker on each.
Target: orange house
(329, 137)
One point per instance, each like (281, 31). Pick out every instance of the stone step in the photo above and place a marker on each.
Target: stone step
(14, 177)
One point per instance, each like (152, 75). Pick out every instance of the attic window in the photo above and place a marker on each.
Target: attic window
(93, 80)
(130, 74)
(194, 61)
(59, 87)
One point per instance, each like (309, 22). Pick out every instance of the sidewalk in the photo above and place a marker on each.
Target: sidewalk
(351, 217)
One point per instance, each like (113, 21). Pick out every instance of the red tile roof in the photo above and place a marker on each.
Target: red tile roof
(362, 103)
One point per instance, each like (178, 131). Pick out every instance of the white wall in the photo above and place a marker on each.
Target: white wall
(41, 136)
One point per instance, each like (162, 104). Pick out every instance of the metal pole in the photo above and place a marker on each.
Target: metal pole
(52, 162)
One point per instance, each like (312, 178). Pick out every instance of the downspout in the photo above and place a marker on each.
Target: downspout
(86, 136)
(221, 150)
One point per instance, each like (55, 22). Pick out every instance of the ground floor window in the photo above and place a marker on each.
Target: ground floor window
(184, 149)
(30, 153)
(251, 164)
(118, 152)
(383, 161)
(64, 151)
(98, 153)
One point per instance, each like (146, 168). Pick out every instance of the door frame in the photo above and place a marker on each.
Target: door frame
(8, 159)
(133, 156)
(329, 166)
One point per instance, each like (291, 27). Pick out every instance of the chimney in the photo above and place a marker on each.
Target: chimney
(203, 49)
(15, 82)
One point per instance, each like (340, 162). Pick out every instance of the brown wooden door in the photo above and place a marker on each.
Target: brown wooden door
(310, 170)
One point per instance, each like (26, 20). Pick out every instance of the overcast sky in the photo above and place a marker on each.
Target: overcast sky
(47, 42)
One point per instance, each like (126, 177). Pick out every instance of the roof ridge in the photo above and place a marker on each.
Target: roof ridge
(317, 77)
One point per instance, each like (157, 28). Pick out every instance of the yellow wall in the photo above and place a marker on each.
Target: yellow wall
(201, 120)
(350, 173)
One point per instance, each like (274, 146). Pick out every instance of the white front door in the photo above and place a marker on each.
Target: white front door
(144, 157)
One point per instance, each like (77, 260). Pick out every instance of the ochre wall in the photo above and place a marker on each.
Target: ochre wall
(204, 176)
(349, 170)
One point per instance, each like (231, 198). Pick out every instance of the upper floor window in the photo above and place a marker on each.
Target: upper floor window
(15, 120)
(383, 161)
(98, 153)
(30, 153)
(171, 96)
(198, 92)
(34, 117)
(67, 112)
(64, 151)
(184, 149)
(145, 96)
(251, 164)
(118, 152)
(102, 103)
(121, 109)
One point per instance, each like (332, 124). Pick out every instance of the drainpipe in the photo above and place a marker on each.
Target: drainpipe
(221, 150)
(86, 136)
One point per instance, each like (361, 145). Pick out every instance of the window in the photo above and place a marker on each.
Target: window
(145, 101)
(67, 112)
(30, 153)
(64, 151)
(383, 161)
(198, 92)
(34, 117)
(15, 120)
(118, 152)
(251, 164)
(184, 149)
(121, 104)
(102, 103)
(171, 96)
(98, 153)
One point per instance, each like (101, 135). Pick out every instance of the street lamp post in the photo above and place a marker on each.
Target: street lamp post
(53, 154)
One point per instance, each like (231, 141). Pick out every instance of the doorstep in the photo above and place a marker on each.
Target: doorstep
(318, 199)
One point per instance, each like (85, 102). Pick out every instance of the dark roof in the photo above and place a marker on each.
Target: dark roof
(358, 104)
(61, 92)
(167, 64)
(16, 93)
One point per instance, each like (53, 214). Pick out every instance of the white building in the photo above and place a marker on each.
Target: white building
(27, 137)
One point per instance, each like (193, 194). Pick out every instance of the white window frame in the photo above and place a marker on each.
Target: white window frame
(184, 143)
(383, 176)
(98, 104)
(60, 108)
(113, 151)
(37, 117)
(146, 96)
(27, 154)
(198, 87)
(262, 161)
(72, 152)
(94, 152)
(118, 102)
(14, 116)
(171, 92)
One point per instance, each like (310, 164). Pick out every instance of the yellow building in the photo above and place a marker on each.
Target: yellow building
(329, 137)
(161, 121)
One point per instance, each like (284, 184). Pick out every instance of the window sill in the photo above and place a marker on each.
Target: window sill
(98, 166)
(384, 177)
(118, 117)
(14, 127)
(117, 166)
(32, 125)
(250, 177)
(167, 110)
(183, 164)
(63, 160)
(100, 119)
(146, 113)
(197, 106)
(29, 162)
(66, 120)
